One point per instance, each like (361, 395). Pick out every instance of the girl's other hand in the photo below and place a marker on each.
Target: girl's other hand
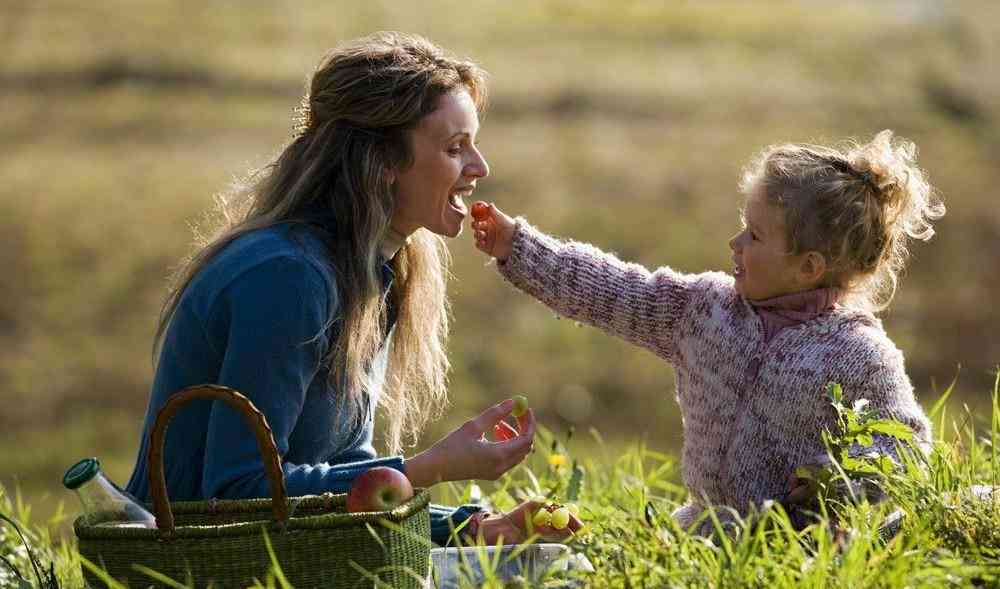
(492, 229)
(467, 454)
(516, 527)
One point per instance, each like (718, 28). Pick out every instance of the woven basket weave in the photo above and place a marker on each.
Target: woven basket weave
(222, 542)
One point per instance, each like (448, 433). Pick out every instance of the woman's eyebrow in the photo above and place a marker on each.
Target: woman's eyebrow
(454, 136)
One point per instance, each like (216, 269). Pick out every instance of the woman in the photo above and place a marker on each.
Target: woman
(322, 295)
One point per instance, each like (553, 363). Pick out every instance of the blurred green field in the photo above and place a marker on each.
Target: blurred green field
(625, 124)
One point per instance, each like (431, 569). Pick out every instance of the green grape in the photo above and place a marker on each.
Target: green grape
(560, 518)
(542, 518)
(573, 509)
(520, 406)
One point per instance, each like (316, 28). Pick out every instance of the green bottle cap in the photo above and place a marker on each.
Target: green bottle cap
(81, 472)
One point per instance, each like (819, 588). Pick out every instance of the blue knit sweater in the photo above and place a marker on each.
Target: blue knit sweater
(254, 319)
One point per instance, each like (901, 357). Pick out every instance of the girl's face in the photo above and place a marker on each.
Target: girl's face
(763, 268)
(446, 165)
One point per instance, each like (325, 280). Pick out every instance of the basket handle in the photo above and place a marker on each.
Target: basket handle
(255, 419)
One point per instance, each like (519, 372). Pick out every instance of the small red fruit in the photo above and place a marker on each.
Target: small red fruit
(378, 489)
(480, 211)
(503, 431)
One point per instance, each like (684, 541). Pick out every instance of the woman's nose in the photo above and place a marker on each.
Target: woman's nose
(733, 241)
(478, 168)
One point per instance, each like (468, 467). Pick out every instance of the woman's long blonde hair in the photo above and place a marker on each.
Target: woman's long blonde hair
(354, 127)
(859, 206)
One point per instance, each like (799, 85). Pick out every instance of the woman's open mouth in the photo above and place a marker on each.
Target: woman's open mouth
(455, 200)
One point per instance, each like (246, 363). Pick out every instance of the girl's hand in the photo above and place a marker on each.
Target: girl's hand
(466, 454)
(493, 230)
(515, 527)
(802, 491)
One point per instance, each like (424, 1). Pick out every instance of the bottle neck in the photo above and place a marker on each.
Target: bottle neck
(98, 494)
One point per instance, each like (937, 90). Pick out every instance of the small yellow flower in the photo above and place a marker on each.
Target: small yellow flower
(557, 460)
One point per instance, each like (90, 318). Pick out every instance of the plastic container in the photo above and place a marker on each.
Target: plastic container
(454, 567)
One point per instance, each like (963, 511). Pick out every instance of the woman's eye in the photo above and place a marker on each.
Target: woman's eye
(455, 150)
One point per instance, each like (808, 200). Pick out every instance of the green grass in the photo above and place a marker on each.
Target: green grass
(625, 496)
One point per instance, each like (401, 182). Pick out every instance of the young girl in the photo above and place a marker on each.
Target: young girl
(824, 236)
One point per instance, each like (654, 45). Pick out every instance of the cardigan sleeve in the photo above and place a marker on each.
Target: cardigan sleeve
(581, 282)
(273, 317)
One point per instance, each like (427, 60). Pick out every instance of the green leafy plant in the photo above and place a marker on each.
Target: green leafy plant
(856, 462)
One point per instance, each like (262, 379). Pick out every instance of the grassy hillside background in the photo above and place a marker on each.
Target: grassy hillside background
(625, 124)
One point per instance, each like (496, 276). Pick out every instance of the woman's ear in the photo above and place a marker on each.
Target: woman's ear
(813, 268)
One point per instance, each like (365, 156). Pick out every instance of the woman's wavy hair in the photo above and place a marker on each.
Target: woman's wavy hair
(859, 206)
(353, 128)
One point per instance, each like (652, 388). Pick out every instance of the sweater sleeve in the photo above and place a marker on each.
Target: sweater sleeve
(583, 283)
(273, 316)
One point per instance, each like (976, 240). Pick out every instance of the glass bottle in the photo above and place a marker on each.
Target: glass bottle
(98, 494)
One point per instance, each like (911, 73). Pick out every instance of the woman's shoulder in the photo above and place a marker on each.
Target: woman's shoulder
(279, 252)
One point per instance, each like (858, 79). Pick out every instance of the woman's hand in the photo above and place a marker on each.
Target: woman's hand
(466, 454)
(515, 527)
(493, 230)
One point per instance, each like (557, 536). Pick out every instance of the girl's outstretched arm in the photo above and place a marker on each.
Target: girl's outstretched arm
(583, 283)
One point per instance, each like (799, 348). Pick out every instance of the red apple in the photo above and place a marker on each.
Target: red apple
(378, 489)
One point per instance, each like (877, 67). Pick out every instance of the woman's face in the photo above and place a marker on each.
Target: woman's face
(431, 193)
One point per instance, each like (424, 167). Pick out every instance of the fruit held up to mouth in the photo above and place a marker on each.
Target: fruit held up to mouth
(480, 211)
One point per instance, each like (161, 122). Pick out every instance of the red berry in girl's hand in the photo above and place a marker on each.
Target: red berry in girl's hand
(503, 431)
(480, 211)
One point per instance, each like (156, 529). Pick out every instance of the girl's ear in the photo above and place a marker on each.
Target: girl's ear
(813, 268)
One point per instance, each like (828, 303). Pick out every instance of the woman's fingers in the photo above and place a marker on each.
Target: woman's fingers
(526, 420)
(487, 419)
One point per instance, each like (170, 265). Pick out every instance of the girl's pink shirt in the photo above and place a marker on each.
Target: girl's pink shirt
(784, 311)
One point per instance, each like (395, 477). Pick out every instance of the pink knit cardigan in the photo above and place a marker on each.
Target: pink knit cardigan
(752, 411)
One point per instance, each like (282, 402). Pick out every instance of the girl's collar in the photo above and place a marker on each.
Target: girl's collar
(783, 311)
(806, 304)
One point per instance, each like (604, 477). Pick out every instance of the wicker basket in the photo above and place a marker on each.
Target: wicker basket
(225, 542)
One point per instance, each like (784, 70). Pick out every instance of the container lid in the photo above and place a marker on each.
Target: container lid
(81, 472)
